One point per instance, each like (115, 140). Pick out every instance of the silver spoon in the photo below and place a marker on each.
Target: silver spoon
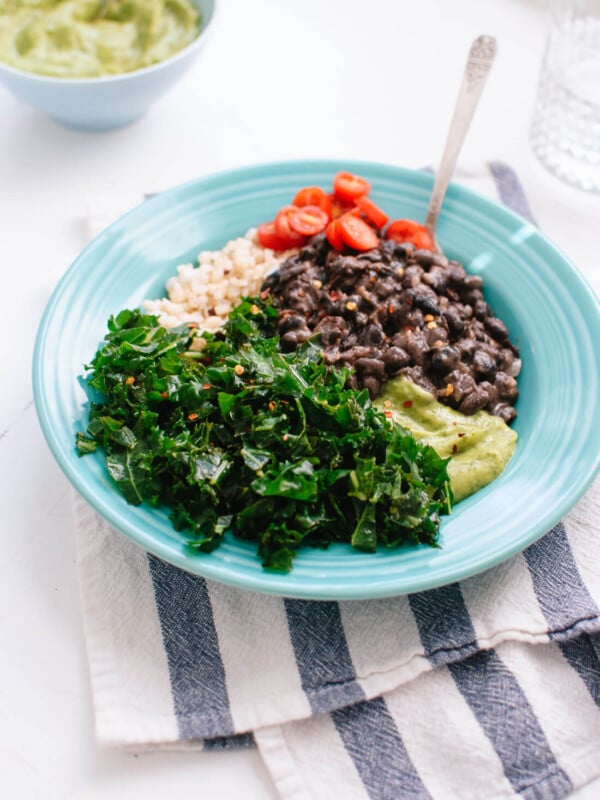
(479, 62)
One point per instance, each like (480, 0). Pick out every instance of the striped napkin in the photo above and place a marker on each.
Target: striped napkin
(485, 689)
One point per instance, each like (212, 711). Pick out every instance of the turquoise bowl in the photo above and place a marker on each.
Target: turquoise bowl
(551, 313)
(101, 104)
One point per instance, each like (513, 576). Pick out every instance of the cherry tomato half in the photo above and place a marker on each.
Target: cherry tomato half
(357, 233)
(334, 235)
(284, 228)
(313, 196)
(339, 207)
(308, 220)
(347, 187)
(268, 237)
(372, 212)
(407, 230)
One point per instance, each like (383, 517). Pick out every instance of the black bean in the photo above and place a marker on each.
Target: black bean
(455, 322)
(473, 402)
(370, 366)
(371, 335)
(473, 282)
(504, 411)
(436, 278)
(496, 328)
(456, 273)
(426, 303)
(290, 322)
(291, 339)
(427, 258)
(394, 359)
(481, 309)
(444, 359)
(507, 386)
(466, 348)
(373, 385)
(483, 364)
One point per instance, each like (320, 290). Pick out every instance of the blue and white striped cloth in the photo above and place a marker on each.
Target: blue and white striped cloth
(485, 689)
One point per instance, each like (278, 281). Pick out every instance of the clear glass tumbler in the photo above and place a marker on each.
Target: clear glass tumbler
(565, 134)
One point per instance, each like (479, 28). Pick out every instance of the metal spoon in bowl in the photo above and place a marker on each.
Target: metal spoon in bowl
(479, 62)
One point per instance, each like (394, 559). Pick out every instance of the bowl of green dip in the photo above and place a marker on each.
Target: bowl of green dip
(98, 64)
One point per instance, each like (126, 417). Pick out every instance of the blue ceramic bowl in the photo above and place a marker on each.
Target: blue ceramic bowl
(101, 104)
(549, 310)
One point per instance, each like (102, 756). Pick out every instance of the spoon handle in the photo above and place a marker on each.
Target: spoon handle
(481, 57)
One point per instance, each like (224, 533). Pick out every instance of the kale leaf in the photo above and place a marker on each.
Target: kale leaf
(241, 437)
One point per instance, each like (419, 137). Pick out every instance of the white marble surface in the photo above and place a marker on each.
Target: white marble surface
(280, 79)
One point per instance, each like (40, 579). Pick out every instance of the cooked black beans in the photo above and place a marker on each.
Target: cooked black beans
(394, 311)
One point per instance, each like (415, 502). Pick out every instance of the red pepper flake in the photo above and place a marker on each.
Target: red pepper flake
(193, 416)
(164, 394)
(265, 293)
(391, 308)
(460, 435)
(206, 386)
(192, 325)
(388, 414)
(334, 296)
(285, 437)
(407, 403)
(130, 380)
(454, 448)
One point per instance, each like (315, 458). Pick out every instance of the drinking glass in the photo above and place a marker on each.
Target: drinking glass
(565, 134)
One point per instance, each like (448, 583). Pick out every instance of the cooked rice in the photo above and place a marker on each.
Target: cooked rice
(206, 293)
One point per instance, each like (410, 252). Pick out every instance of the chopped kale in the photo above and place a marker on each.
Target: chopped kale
(241, 437)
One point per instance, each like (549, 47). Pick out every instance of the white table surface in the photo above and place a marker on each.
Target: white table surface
(279, 79)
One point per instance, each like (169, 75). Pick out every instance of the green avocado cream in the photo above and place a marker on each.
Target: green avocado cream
(92, 38)
(479, 446)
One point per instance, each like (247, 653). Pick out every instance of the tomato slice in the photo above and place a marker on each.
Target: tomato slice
(339, 207)
(407, 230)
(284, 228)
(334, 235)
(357, 233)
(268, 237)
(314, 196)
(347, 187)
(372, 212)
(308, 220)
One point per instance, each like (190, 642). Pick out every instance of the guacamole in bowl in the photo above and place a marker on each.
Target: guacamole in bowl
(92, 38)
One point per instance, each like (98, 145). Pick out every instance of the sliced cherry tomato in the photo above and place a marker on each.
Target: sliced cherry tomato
(334, 235)
(357, 233)
(284, 228)
(372, 212)
(313, 196)
(407, 230)
(308, 220)
(347, 187)
(268, 237)
(339, 207)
